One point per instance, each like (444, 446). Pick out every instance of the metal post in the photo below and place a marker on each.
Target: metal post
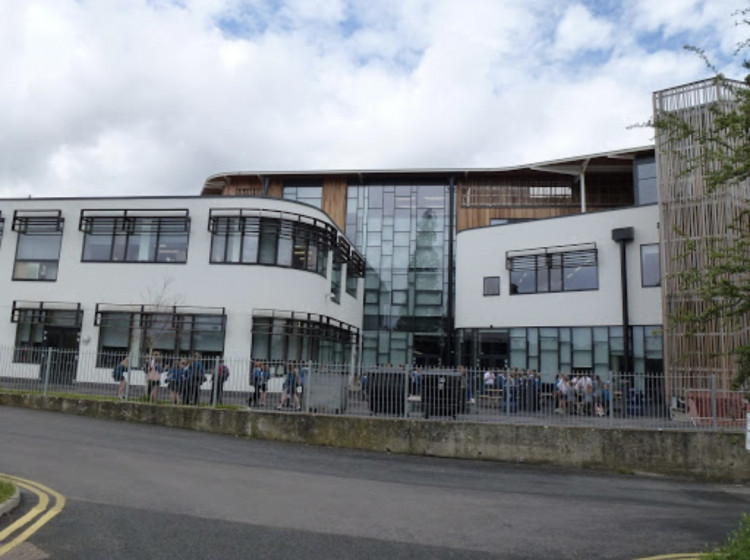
(214, 388)
(407, 379)
(46, 370)
(714, 414)
(611, 405)
(127, 382)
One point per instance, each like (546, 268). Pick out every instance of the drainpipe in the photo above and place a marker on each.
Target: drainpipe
(623, 236)
(451, 274)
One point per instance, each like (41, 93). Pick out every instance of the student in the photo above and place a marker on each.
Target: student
(175, 381)
(259, 380)
(154, 370)
(118, 374)
(290, 387)
(195, 378)
(222, 374)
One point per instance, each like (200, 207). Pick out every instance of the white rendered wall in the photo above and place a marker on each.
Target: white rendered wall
(481, 252)
(241, 289)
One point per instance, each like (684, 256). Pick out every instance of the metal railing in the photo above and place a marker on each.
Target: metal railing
(611, 400)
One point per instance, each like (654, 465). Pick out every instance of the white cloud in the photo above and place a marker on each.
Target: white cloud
(580, 31)
(150, 97)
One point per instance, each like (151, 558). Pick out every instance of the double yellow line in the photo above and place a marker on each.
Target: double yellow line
(37, 517)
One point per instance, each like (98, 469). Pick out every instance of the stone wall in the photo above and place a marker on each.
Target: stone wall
(710, 456)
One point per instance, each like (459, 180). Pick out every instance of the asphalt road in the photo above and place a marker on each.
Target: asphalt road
(137, 491)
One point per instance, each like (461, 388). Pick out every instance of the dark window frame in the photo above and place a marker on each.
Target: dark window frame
(123, 227)
(37, 316)
(493, 288)
(658, 264)
(43, 223)
(548, 266)
(182, 323)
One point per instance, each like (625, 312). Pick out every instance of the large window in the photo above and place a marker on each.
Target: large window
(650, 268)
(553, 269)
(44, 324)
(39, 239)
(240, 236)
(281, 336)
(174, 331)
(135, 235)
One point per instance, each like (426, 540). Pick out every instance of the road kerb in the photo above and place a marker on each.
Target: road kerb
(33, 520)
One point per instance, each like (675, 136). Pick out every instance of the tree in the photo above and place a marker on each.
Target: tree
(712, 270)
(159, 321)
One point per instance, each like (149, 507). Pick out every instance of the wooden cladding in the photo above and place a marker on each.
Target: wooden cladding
(334, 200)
(692, 215)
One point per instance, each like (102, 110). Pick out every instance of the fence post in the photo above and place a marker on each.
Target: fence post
(714, 412)
(214, 387)
(611, 403)
(405, 395)
(46, 370)
(127, 383)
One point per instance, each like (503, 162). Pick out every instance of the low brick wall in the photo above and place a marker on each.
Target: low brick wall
(710, 456)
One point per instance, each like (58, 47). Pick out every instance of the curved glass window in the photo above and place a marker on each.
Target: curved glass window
(286, 335)
(270, 237)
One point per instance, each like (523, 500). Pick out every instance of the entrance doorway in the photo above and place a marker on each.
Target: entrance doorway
(62, 352)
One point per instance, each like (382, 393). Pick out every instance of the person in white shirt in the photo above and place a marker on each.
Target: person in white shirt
(489, 380)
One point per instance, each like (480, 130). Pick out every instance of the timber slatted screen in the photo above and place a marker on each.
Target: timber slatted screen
(689, 212)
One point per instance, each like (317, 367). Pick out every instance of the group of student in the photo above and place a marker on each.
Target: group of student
(292, 389)
(183, 377)
(581, 394)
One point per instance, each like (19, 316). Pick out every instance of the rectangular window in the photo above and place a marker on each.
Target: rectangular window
(336, 282)
(650, 267)
(139, 329)
(492, 285)
(308, 194)
(142, 236)
(44, 324)
(39, 240)
(553, 269)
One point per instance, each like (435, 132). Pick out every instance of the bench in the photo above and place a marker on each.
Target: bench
(491, 398)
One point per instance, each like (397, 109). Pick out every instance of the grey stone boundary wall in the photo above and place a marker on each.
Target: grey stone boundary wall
(708, 456)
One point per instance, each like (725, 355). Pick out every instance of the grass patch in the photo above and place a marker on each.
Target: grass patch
(6, 490)
(737, 545)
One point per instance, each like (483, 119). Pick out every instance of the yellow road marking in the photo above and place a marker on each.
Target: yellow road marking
(43, 492)
(679, 556)
(36, 510)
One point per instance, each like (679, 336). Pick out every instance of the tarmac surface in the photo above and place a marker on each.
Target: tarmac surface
(139, 491)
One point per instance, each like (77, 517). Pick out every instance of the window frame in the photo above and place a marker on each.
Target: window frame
(658, 265)
(548, 265)
(41, 223)
(494, 289)
(183, 322)
(127, 229)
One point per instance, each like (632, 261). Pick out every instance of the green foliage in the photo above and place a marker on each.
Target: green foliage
(6, 490)
(737, 546)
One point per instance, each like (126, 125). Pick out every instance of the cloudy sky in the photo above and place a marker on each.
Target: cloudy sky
(128, 97)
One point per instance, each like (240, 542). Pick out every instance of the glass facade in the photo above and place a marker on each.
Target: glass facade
(403, 232)
(551, 350)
